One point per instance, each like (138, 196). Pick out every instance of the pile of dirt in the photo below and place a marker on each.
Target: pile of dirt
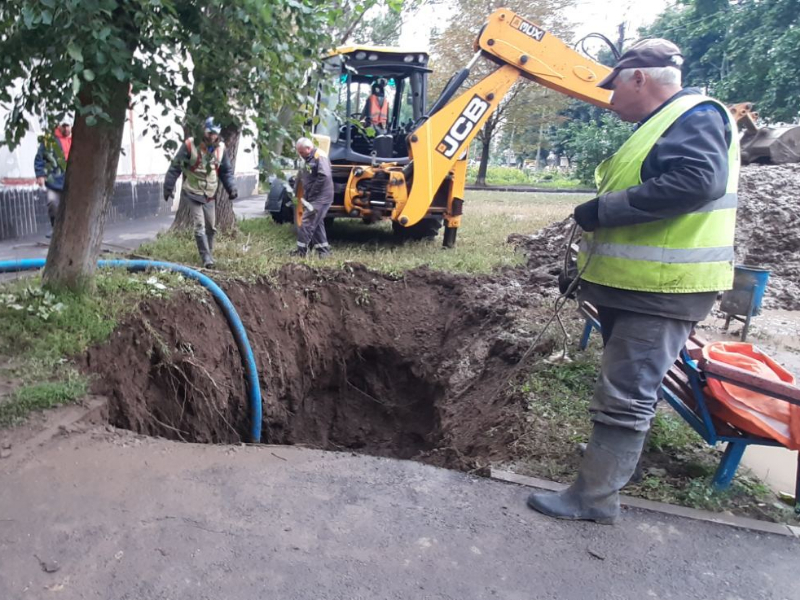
(407, 367)
(767, 234)
(768, 229)
(545, 251)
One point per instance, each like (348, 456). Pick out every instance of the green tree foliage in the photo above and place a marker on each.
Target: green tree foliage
(588, 143)
(528, 124)
(382, 24)
(740, 50)
(453, 47)
(250, 58)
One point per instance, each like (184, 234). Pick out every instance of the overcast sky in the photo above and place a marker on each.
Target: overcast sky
(601, 16)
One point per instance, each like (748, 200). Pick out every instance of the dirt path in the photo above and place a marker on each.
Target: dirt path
(115, 515)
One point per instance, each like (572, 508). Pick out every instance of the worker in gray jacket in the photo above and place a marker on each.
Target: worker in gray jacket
(317, 181)
(203, 166)
(657, 247)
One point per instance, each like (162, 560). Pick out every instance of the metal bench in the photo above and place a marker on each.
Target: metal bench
(683, 387)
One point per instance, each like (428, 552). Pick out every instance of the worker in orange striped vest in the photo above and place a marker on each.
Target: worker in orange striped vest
(203, 166)
(376, 110)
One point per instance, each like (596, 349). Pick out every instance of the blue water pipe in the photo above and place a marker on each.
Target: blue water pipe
(235, 323)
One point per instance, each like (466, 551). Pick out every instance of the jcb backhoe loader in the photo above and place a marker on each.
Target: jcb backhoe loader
(414, 171)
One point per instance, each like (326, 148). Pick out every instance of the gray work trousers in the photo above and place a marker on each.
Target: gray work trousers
(638, 351)
(204, 217)
(312, 228)
(53, 200)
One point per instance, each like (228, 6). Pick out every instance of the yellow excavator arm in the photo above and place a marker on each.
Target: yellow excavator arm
(509, 39)
(522, 49)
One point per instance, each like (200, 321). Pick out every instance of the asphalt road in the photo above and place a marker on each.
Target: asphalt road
(123, 517)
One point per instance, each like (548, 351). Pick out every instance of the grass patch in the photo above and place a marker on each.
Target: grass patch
(496, 175)
(670, 433)
(262, 246)
(40, 396)
(42, 330)
(746, 495)
(560, 393)
(44, 327)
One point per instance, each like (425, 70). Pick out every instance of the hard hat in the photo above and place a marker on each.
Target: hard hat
(67, 119)
(211, 126)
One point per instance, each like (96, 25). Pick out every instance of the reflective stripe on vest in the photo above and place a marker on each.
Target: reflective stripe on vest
(201, 176)
(378, 114)
(687, 253)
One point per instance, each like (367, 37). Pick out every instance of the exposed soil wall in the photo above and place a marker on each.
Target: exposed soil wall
(350, 359)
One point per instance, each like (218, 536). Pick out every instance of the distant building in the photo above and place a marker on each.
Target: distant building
(137, 193)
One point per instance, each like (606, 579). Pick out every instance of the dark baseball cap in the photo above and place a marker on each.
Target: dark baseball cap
(657, 52)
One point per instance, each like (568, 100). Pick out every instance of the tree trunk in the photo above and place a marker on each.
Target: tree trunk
(539, 138)
(484, 165)
(89, 184)
(226, 218)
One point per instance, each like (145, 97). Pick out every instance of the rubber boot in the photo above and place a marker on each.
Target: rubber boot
(210, 264)
(299, 252)
(205, 253)
(608, 463)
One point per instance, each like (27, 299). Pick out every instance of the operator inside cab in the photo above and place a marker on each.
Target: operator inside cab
(376, 110)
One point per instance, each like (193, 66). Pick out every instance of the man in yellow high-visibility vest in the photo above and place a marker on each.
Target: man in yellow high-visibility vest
(657, 248)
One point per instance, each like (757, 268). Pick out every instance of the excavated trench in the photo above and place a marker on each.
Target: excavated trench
(349, 360)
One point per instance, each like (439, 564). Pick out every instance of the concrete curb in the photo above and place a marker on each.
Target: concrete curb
(538, 190)
(660, 507)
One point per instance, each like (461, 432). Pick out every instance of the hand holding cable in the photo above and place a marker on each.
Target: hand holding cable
(587, 215)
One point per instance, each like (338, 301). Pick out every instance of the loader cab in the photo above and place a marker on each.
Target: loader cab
(348, 75)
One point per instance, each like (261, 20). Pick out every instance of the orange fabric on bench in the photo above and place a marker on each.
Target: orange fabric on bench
(754, 412)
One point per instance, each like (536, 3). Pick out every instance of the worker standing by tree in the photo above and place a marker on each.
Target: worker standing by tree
(317, 181)
(203, 166)
(51, 163)
(657, 247)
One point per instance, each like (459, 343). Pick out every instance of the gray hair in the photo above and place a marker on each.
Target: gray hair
(659, 75)
(304, 142)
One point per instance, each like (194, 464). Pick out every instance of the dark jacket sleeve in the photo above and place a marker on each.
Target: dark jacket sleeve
(226, 173)
(687, 168)
(365, 110)
(39, 163)
(176, 167)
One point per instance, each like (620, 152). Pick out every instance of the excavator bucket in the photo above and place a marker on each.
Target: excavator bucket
(767, 145)
(772, 145)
